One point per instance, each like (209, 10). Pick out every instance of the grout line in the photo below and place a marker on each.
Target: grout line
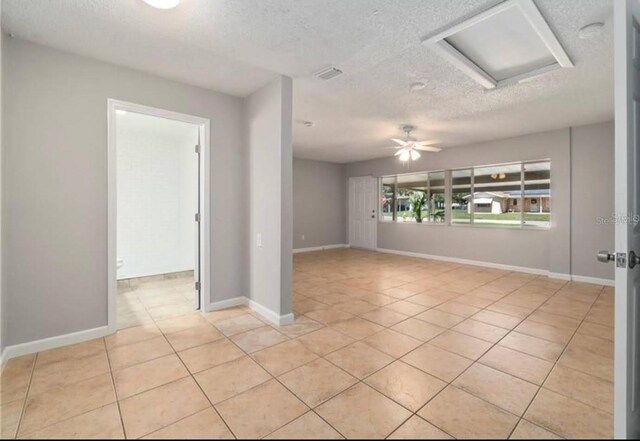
(26, 397)
(115, 390)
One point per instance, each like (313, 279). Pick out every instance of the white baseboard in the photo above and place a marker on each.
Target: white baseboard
(53, 342)
(265, 312)
(322, 248)
(228, 303)
(521, 269)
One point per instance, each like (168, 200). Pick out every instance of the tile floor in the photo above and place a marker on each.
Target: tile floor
(383, 346)
(144, 302)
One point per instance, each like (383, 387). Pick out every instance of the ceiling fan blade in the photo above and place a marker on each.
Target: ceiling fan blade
(426, 142)
(425, 148)
(399, 152)
(399, 141)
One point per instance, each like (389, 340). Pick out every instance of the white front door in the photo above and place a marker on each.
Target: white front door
(363, 207)
(627, 230)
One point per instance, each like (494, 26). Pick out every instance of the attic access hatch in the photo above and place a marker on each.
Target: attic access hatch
(506, 44)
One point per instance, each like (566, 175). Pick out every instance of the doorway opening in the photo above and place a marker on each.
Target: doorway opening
(158, 218)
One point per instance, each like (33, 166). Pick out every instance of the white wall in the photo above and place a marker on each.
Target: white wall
(2, 308)
(268, 126)
(319, 204)
(584, 151)
(157, 191)
(54, 185)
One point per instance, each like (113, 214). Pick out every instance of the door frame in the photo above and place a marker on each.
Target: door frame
(376, 204)
(204, 128)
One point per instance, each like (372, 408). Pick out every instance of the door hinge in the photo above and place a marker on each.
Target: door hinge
(197, 148)
(197, 217)
(197, 286)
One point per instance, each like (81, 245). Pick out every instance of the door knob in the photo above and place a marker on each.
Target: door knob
(605, 256)
(634, 259)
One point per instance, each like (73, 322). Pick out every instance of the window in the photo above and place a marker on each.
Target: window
(460, 196)
(388, 196)
(415, 198)
(507, 195)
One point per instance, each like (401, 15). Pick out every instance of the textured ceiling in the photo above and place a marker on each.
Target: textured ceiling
(236, 46)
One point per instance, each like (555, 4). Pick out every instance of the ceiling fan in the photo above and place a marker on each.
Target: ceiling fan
(408, 149)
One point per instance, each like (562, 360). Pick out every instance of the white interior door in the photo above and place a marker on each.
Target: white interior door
(627, 231)
(363, 212)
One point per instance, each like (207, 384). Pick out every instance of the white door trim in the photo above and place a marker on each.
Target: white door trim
(204, 126)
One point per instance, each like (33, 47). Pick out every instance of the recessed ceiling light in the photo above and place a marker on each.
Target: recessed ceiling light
(590, 31)
(162, 4)
(418, 85)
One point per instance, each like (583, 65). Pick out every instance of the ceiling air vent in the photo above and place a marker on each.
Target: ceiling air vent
(328, 73)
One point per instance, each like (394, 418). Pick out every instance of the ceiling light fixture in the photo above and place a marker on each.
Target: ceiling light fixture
(162, 4)
(589, 31)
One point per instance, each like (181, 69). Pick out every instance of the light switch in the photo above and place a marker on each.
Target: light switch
(259, 240)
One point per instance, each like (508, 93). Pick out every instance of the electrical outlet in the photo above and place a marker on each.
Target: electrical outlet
(259, 240)
(303, 237)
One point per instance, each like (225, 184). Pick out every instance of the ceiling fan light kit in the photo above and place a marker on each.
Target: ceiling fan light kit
(408, 149)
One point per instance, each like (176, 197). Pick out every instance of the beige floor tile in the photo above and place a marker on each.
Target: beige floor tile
(464, 416)
(437, 362)
(418, 329)
(258, 339)
(588, 389)
(193, 337)
(596, 330)
(355, 307)
(15, 378)
(102, 423)
(61, 403)
(545, 349)
(598, 346)
(68, 371)
(483, 331)
(212, 354)
(406, 308)
(308, 426)
(588, 362)
(238, 324)
(205, 424)
(518, 364)
(223, 314)
(384, 316)
(527, 430)
(157, 408)
(512, 310)
(316, 382)
(71, 352)
(406, 385)
(458, 308)
(361, 412)
(144, 376)
(503, 390)
(10, 414)
(461, 344)
(440, 318)
(284, 357)
(357, 328)
(359, 359)
(497, 319)
(417, 428)
(569, 418)
(393, 343)
(132, 335)
(329, 316)
(302, 326)
(129, 355)
(227, 380)
(544, 331)
(261, 410)
(324, 341)
(556, 320)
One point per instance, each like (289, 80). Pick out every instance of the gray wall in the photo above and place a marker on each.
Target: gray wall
(319, 203)
(592, 190)
(592, 147)
(54, 185)
(268, 126)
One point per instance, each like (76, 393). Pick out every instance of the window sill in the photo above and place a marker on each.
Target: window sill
(461, 225)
